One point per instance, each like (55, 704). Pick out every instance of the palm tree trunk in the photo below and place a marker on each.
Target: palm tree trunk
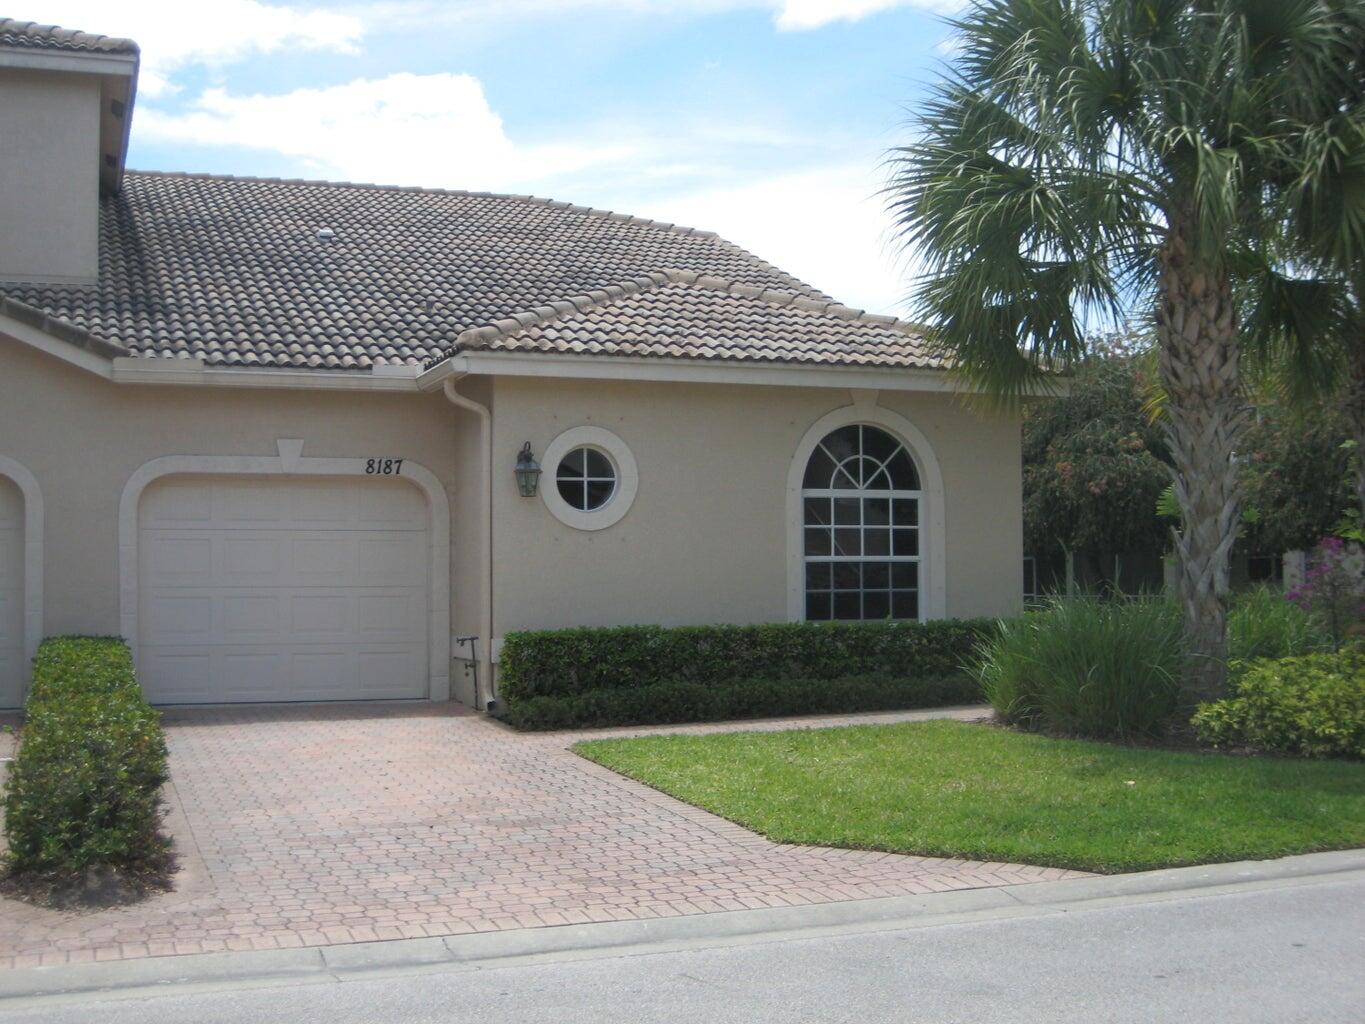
(1198, 360)
(1355, 416)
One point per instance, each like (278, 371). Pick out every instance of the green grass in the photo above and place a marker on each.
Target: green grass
(950, 789)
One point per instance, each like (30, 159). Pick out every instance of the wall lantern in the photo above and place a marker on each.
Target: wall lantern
(527, 472)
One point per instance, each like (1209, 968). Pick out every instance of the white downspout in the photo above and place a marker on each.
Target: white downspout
(484, 671)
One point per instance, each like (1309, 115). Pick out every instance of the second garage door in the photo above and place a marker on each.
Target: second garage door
(282, 589)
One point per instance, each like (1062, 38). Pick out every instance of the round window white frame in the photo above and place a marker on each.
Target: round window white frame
(622, 461)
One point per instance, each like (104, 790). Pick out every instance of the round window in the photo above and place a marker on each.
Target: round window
(591, 478)
(586, 479)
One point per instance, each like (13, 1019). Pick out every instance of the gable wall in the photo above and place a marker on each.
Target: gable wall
(49, 177)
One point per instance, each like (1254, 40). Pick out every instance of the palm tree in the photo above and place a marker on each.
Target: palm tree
(1305, 312)
(1085, 159)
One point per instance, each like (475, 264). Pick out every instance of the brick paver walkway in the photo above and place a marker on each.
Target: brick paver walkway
(309, 826)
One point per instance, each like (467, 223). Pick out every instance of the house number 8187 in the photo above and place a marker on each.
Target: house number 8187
(383, 467)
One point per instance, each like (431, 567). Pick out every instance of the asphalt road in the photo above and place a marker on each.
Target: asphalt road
(1275, 955)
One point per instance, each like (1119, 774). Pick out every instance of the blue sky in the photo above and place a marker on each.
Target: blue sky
(764, 120)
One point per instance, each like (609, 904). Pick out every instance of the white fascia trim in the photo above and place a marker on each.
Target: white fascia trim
(81, 63)
(33, 560)
(53, 280)
(57, 347)
(587, 367)
(289, 461)
(933, 532)
(142, 370)
(151, 370)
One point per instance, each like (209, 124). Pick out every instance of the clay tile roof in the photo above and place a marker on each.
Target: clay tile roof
(238, 272)
(31, 35)
(679, 314)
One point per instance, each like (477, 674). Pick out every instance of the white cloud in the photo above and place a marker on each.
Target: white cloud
(828, 226)
(810, 14)
(788, 15)
(434, 130)
(177, 33)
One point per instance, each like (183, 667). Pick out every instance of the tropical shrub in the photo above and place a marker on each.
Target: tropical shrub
(1093, 468)
(1086, 667)
(1296, 473)
(1312, 705)
(84, 787)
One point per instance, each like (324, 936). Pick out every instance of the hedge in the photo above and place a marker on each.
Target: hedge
(1312, 706)
(84, 787)
(653, 674)
(661, 703)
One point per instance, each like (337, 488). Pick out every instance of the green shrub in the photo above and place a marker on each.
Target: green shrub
(651, 674)
(84, 788)
(1086, 667)
(1264, 624)
(1312, 705)
(575, 660)
(685, 701)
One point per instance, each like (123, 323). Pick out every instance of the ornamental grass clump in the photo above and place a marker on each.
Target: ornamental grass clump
(1086, 667)
(1264, 623)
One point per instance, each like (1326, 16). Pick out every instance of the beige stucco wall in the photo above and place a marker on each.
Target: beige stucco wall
(83, 437)
(49, 176)
(706, 539)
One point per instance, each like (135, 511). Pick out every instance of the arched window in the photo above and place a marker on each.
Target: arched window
(860, 502)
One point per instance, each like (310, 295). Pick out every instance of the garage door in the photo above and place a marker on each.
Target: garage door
(11, 594)
(282, 589)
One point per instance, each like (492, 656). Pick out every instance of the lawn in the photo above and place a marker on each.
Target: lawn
(950, 789)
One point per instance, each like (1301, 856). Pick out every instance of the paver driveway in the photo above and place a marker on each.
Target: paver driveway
(305, 826)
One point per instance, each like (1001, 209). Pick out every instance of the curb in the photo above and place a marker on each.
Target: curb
(340, 964)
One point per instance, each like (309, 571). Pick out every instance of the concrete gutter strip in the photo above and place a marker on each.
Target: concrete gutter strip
(337, 964)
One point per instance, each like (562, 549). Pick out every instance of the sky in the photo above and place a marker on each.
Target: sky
(768, 121)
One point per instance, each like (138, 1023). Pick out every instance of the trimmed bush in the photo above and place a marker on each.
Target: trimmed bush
(84, 788)
(1263, 623)
(1085, 667)
(631, 675)
(661, 703)
(1312, 706)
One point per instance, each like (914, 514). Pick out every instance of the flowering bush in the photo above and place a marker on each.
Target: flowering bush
(1333, 587)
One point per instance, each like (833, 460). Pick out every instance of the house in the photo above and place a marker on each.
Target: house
(284, 436)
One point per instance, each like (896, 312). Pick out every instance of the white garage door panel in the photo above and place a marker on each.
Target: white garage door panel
(11, 594)
(283, 589)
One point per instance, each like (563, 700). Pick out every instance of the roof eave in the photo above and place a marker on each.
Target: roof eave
(771, 373)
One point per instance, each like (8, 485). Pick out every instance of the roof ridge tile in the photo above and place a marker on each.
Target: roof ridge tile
(36, 35)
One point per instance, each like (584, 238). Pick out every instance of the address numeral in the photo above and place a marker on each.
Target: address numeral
(383, 467)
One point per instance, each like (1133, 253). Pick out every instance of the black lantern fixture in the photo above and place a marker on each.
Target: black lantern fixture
(527, 472)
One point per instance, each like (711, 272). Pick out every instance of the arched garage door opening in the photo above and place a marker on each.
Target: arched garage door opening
(12, 655)
(283, 588)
